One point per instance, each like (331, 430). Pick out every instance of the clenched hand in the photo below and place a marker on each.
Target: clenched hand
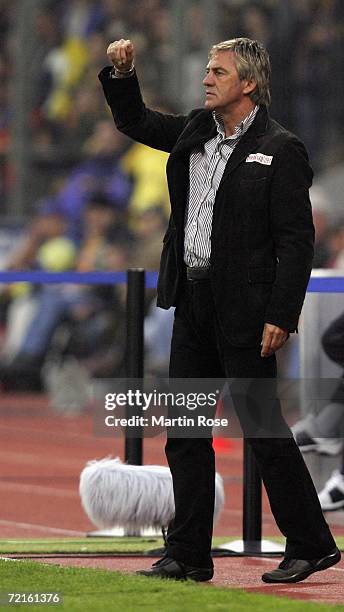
(121, 53)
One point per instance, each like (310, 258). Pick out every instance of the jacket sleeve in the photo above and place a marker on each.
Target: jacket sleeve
(133, 118)
(293, 234)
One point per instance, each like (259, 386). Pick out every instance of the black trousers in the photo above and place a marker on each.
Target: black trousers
(198, 351)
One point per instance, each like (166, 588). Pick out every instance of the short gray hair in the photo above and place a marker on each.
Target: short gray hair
(252, 62)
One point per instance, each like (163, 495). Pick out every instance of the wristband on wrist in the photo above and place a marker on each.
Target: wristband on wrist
(115, 71)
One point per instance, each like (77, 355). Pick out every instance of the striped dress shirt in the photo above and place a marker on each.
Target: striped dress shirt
(207, 166)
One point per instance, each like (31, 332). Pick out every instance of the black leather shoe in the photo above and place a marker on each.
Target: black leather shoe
(176, 570)
(295, 570)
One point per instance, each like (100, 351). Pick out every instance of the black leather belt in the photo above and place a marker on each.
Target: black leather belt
(195, 273)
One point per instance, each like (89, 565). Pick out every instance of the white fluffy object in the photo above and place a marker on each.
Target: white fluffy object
(115, 494)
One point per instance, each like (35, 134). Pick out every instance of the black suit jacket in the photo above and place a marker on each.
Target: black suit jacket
(262, 233)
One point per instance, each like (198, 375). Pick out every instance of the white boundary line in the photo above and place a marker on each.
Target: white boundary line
(48, 432)
(36, 459)
(39, 490)
(41, 528)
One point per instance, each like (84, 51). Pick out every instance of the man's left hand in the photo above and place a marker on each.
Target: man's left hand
(273, 339)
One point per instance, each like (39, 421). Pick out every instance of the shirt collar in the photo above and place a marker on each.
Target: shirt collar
(239, 129)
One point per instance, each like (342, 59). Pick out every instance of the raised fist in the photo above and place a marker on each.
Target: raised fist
(121, 54)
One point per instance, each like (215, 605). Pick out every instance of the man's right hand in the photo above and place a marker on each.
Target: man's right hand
(121, 53)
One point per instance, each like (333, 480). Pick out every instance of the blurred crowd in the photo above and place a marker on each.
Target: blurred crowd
(304, 38)
(97, 201)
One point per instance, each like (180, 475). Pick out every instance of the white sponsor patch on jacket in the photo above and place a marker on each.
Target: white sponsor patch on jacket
(260, 158)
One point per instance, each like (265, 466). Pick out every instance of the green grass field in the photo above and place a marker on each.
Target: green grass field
(99, 545)
(102, 591)
(81, 545)
(99, 590)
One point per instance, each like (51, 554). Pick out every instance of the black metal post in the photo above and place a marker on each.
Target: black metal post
(252, 503)
(252, 544)
(133, 452)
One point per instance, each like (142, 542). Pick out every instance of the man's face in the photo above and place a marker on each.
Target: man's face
(224, 90)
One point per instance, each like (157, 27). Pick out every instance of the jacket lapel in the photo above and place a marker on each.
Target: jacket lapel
(247, 144)
(202, 128)
(198, 131)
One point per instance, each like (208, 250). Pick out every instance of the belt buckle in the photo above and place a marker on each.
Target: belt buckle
(197, 273)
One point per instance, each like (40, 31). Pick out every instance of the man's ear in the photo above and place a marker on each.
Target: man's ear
(249, 87)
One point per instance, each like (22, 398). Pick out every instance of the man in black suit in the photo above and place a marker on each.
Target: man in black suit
(236, 260)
